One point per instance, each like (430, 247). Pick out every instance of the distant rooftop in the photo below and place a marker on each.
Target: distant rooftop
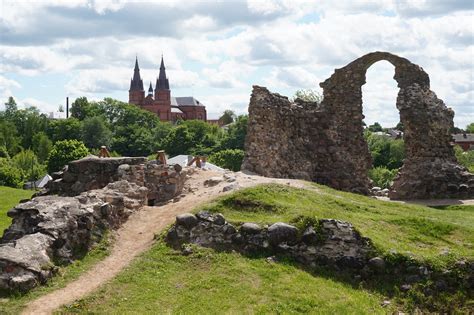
(463, 137)
(185, 101)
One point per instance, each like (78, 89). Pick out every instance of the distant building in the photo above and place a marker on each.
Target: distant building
(464, 140)
(160, 102)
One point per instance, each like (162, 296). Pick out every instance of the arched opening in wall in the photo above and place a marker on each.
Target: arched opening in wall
(383, 131)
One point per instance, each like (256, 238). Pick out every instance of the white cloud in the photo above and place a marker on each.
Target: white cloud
(224, 48)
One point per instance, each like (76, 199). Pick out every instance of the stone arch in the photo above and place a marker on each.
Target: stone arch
(324, 142)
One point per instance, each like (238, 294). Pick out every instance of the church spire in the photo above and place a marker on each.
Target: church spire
(162, 82)
(150, 90)
(137, 83)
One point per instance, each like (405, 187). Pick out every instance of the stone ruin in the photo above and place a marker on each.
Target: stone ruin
(324, 142)
(89, 197)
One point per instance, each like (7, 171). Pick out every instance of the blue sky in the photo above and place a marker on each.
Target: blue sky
(217, 50)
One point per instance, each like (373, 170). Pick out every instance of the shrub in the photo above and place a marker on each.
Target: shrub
(10, 175)
(382, 177)
(27, 161)
(64, 152)
(465, 158)
(230, 159)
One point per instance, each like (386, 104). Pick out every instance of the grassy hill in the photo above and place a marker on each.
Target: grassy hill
(164, 281)
(9, 197)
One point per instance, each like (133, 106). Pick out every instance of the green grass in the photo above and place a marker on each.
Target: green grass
(162, 280)
(13, 304)
(208, 282)
(420, 232)
(9, 197)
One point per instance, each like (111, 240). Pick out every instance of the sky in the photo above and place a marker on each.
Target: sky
(216, 50)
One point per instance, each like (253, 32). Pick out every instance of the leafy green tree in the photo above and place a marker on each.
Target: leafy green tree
(10, 106)
(10, 175)
(80, 108)
(470, 128)
(227, 117)
(42, 146)
(308, 95)
(159, 133)
(230, 159)
(178, 141)
(382, 176)
(236, 132)
(9, 137)
(65, 151)
(465, 158)
(27, 161)
(376, 127)
(397, 154)
(65, 129)
(95, 132)
(133, 140)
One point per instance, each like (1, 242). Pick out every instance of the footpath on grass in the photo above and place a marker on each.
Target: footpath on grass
(137, 234)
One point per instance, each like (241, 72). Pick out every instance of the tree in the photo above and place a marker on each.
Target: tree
(10, 175)
(470, 128)
(236, 133)
(10, 106)
(400, 126)
(230, 159)
(95, 133)
(375, 127)
(9, 137)
(80, 108)
(42, 146)
(227, 117)
(178, 141)
(64, 129)
(27, 161)
(133, 140)
(308, 95)
(65, 151)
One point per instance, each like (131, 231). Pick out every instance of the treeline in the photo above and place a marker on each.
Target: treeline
(31, 144)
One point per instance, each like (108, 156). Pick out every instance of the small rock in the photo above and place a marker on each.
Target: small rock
(187, 220)
(213, 181)
(219, 219)
(271, 259)
(282, 233)
(405, 287)
(377, 264)
(230, 187)
(250, 228)
(385, 303)
(310, 236)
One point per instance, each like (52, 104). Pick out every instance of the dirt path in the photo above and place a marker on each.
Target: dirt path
(137, 234)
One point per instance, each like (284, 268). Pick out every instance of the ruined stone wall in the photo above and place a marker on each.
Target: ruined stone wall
(324, 142)
(163, 182)
(50, 230)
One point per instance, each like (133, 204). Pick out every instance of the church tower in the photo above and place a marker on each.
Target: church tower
(162, 89)
(136, 94)
(163, 94)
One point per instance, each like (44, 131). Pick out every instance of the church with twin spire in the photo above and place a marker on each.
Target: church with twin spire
(160, 101)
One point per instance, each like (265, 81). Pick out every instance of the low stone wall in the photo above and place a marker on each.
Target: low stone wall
(50, 230)
(332, 241)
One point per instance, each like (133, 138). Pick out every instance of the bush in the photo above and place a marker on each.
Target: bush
(27, 161)
(382, 176)
(64, 152)
(465, 158)
(230, 159)
(10, 175)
